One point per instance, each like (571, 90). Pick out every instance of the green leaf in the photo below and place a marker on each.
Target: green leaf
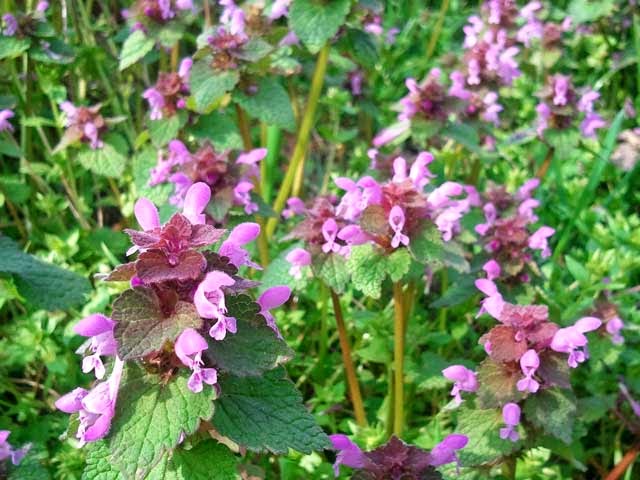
(465, 135)
(332, 270)
(453, 256)
(150, 419)
(208, 85)
(315, 21)
(554, 411)
(266, 414)
(398, 263)
(497, 384)
(141, 326)
(368, 269)
(485, 445)
(428, 246)
(106, 161)
(269, 104)
(205, 459)
(166, 129)
(254, 349)
(136, 46)
(456, 294)
(220, 129)
(362, 46)
(576, 269)
(582, 11)
(15, 188)
(12, 47)
(255, 49)
(43, 285)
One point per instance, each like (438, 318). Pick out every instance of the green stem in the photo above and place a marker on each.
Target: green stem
(509, 467)
(324, 324)
(349, 369)
(437, 29)
(243, 126)
(398, 359)
(269, 164)
(303, 137)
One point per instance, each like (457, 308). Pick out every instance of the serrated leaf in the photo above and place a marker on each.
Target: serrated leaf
(150, 419)
(368, 269)
(398, 263)
(266, 414)
(453, 256)
(497, 384)
(205, 459)
(136, 46)
(43, 285)
(332, 270)
(361, 45)
(141, 327)
(315, 22)
(11, 47)
(427, 246)
(270, 104)
(254, 349)
(106, 161)
(554, 369)
(220, 129)
(255, 49)
(554, 411)
(485, 445)
(166, 129)
(208, 85)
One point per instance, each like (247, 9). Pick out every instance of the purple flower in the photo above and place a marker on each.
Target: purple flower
(95, 408)
(445, 451)
(295, 206)
(195, 201)
(561, 87)
(330, 232)
(272, 298)
(472, 31)
(156, 102)
(635, 405)
(464, 381)
(585, 104)
(189, 347)
(185, 5)
(527, 188)
(511, 417)
(544, 113)
(391, 133)
(210, 303)
(279, 8)
(494, 302)
(538, 241)
(42, 6)
(572, 340)
(242, 195)
(352, 235)
(7, 451)
(529, 363)
(349, 454)
(592, 122)
(147, 214)
(491, 108)
(298, 258)
(10, 25)
(232, 247)
(457, 88)
(99, 329)
(396, 222)
(492, 269)
(5, 115)
(614, 326)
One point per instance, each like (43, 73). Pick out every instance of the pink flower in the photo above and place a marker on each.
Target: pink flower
(156, 102)
(10, 25)
(349, 453)
(242, 194)
(494, 302)
(396, 222)
(210, 303)
(585, 104)
(457, 88)
(147, 214)
(5, 115)
(101, 342)
(492, 269)
(464, 381)
(572, 340)
(189, 347)
(391, 133)
(7, 451)
(330, 232)
(491, 108)
(561, 86)
(195, 201)
(511, 417)
(538, 241)
(272, 298)
(185, 69)
(527, 188)
(298, 258)
(592, 122)
(529, 363)
(544, 113)
(614, 326)
(295, 206)
(232, 247)
(445, 451)
(279, 8)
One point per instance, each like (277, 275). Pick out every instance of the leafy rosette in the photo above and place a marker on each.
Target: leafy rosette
(186, 350)
(526, 376)
(380, 228)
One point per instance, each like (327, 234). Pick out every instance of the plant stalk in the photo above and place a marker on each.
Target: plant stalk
(398, 359)
(626, 461)
(303, 137)
(350, 371)
(437, 29)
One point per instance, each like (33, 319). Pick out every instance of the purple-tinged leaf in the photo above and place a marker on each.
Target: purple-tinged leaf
(154, 266)
(122, 273)
(203, 235)
(497, 383)
(504, 346)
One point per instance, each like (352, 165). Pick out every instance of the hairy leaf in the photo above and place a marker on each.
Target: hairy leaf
(427, 246)
(315, 21)
(166, 129)
(208, 85)
(497, 384)
(266, 414)
(142, 326)
(153, 266)
(136, 46)
(106, 161)
(270, 104)
(554, 411)
(332, 270)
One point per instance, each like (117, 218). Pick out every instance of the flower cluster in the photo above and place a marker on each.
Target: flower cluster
(7, 451)
(396, 459)
(170, 92)
(149, 12)
(388, 214)
(172, 275)
(230, 181)
(505, 232)
(84, 124)
(560, 104)
(24, 25)
(5, 125)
